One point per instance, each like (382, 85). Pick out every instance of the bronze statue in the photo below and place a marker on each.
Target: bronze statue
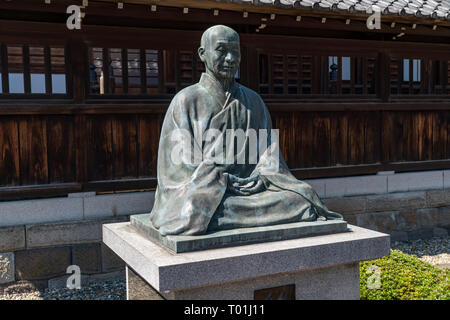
(248, 185)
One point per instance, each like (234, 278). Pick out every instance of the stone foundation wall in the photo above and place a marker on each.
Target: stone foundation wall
(39, 254)
(40, 238)
(404, 215)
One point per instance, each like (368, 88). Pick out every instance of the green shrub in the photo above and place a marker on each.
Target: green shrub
(403, 277)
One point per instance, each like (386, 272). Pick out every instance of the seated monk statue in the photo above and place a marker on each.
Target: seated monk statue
(254, 186)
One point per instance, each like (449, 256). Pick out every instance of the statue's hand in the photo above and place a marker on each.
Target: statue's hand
(244, 186)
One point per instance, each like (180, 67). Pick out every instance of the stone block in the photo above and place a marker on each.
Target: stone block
(346, 204)
(335, 187)
(110, 260)
(438, 198)
(373, 184)
(88, 257)
(413, 181)
(7, 267)
(444, 217)
(427, 218)
(13, 213)
(112, 205)
(396, 201)
(440, 232)
(67, 233)
(407, 220)
(366, 220)
(56, 234)
(446, 179)
(379, 221)
(310, 256)
(236, 237)
(42, 263)
(12, 238)
(82, 194)
(318, 185)
(355, 186)
(350, 218)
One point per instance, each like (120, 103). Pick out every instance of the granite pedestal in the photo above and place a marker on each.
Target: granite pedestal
(317, 267)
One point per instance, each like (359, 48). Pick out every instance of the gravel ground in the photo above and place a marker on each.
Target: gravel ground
(434, 251)
(101, 290)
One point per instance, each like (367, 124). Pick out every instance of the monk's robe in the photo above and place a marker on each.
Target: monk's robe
(192, 198)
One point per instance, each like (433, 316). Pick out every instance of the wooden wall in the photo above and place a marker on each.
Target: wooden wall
(51, 147)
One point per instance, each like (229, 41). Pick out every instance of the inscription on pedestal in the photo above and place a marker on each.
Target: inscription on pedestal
(276, 293)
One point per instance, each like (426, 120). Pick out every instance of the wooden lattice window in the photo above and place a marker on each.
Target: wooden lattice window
(133, 72)
(409, 76)
(32, 70)
(290, 74)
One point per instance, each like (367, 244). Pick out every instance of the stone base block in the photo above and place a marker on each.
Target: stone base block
(236, 237)
(331, 283)
(319, 267)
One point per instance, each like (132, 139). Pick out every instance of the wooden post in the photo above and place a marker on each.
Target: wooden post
(383, 82)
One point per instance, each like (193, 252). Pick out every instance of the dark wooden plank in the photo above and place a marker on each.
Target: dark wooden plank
(321, 140)
(356, 136)
(61, 143)
(285, 75)
(300, 74)
(411, 75)
(440, 135)
(284, 122)
(364, 70)
(252, 68)
(26, 68)
(177, 70)
(149, 133)
(447, 125)
(143, 70)
(304, 125)
(106, 69)
(161, 87)
(372, 138)
(38, 191)
(270, 72)
(425, 135)
(339, 139)
(33, 150)
(79, 67)
(339, 76)
(9, 152)
(82, 142)
(48, 70)
(124, 140)
(124, 59)
(99, 150)
(402, 141)
(387, 127)
(383, 71)
(5, 73)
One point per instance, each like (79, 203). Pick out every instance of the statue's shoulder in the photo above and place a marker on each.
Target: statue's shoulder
(188, 96)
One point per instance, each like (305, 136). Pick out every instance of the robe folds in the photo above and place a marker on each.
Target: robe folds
(192, 196)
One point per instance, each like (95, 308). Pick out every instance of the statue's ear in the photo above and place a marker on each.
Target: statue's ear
(201, 53)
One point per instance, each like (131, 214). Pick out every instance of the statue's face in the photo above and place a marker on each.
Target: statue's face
(221, 54)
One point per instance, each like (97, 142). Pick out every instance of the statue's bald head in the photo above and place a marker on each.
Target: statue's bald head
(215, 30)
(219, 50)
